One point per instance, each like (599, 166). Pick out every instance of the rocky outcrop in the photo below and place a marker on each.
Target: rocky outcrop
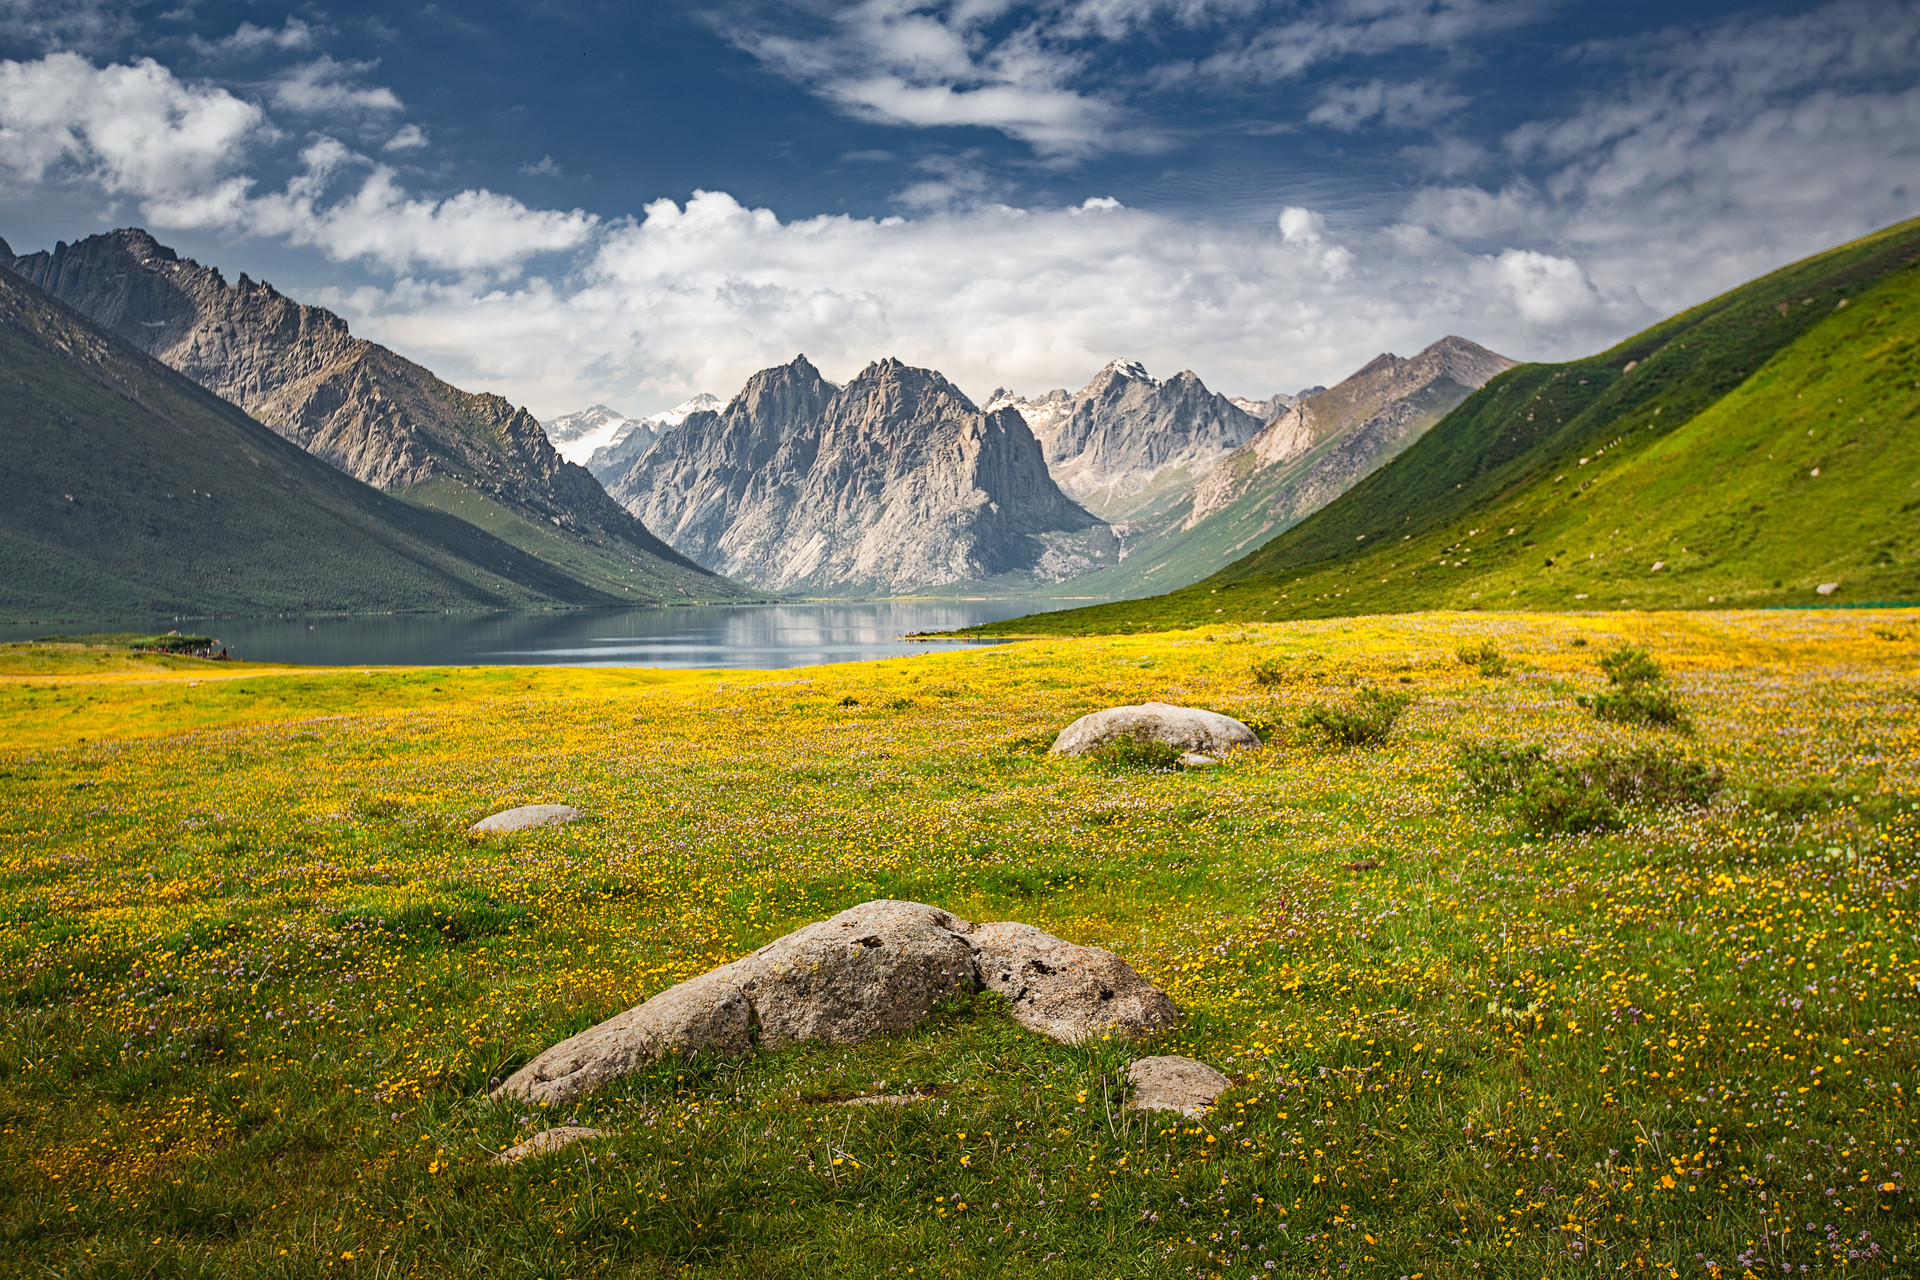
(892, 482)
(365, 409)
(875, 969)
(1206, 733)
(1353, 429)
(1123, 432)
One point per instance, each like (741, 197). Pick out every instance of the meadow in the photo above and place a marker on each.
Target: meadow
(257, 979)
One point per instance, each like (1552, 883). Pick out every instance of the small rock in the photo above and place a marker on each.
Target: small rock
(1194, 760)
(1827, 588)
(525, 818)
(547, 1140)
(1068, 992)
(1362, 864)
(1189, 728)
(1175, 1084)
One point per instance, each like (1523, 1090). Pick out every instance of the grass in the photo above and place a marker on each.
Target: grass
(255, 979)
(1750, 452)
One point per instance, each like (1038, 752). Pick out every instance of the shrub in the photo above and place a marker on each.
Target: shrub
(1495, 769)
(1553, 803)
(1368, 722)
(1269, 671)
(1136, 753)
(1638, 692)
(1487, 657)
(1551, 797)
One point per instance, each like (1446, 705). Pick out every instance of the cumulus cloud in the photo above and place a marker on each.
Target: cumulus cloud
(409, 137)
(133, 129)
(695, 296)
(180, 150)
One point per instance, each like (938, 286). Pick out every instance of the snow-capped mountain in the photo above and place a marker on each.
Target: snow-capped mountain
(579, 436)
(1119, 436)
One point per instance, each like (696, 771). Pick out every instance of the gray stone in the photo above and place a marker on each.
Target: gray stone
(525, 818)
(1175, 1084)
(1066, 991)
(1194, 760)
(875, 969)
(1189, 728)
(547, 1140)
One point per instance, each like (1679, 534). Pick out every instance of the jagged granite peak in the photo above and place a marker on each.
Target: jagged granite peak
(1358, 426)
(893, 482)
(367, 410)
(1125, 431)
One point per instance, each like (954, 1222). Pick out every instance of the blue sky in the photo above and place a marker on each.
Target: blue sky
(629, 203)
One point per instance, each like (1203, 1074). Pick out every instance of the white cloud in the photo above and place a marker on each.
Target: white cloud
(322, 86)
(409, 137)
(249, 40)
(134, 130)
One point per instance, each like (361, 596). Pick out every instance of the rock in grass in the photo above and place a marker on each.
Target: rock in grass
(1194, 760)
(1175, 1084)
(1067, 992)
(875, 969)
(1189, 728)
(525, 818)
(547, 1140)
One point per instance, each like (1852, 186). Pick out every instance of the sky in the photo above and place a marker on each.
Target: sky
(571, 203)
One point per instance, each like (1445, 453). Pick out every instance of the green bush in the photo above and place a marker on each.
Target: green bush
(1550, 797)
(1638, 692)
(1269, 671)
(1486, 656)
(1369, 721)
(1136, 753)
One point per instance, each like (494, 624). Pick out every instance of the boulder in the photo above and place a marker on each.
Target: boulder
(1066, 991)
(547, 1140)
(875, 969)
(1194, 760)
(1189, 728)
(1175, 1084)
(524, 818)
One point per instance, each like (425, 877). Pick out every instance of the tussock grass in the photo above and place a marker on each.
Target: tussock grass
(256, 980)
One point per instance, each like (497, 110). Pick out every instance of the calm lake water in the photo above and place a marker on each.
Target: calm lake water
(765, 636)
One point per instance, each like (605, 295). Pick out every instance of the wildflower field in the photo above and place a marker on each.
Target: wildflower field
(1641, 1001)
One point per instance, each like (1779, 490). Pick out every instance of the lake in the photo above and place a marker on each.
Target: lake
(763, 636)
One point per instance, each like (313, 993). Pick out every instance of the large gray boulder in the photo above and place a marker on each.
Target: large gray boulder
(1189, 728)
(1065, 991)
(875, 969)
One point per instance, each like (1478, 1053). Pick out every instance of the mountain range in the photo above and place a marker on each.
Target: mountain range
(894, 482)
(1758, 450)
(131, 491)
(598, 432)
(368, 411)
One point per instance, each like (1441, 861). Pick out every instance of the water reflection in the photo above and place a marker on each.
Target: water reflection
(761, 636)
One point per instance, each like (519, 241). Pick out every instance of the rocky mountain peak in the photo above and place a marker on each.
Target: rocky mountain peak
(1130, 369)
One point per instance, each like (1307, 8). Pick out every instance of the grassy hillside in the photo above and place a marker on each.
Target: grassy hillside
(129, 491)
(255, 978)
(1755, 448)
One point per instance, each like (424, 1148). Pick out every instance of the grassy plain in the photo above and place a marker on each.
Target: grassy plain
(257, 979)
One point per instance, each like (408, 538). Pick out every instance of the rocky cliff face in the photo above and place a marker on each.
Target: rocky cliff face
(1355, 427)
(1126, 432)
(365, 409)
(890, 483)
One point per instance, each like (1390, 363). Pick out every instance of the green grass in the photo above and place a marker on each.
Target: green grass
(255, 979)
(1763, 445)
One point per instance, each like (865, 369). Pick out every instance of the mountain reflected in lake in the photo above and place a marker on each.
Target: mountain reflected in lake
(755, 636)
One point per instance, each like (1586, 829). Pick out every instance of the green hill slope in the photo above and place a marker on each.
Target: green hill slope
(1755, 448)
(129, 490)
